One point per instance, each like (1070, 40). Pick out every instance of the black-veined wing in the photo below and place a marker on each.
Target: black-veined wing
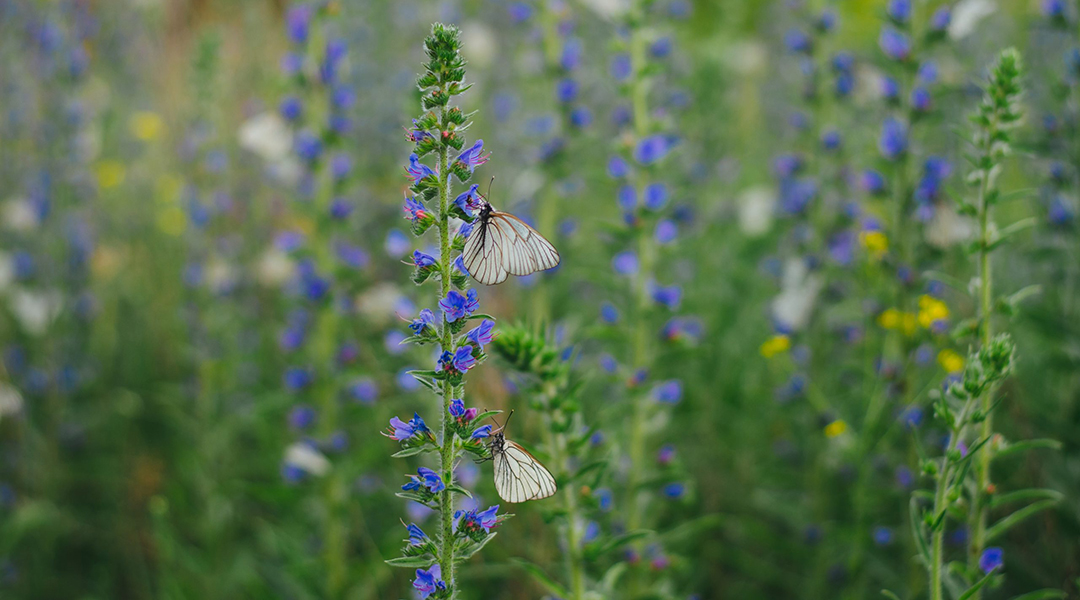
(504, 245)
(519, 476)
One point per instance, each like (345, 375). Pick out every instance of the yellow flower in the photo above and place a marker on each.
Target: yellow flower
(168, 188)
(110, 173)
(775, 345)
(146, 125)
(893, 318)
(875, 243)
(172, 220)
(908, 323)
(931, 310)
(950, 361)
(835, 428)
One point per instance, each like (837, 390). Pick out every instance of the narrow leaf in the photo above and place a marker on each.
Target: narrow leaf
(412, 451)
(542, 578)
(971, 591)
(468, 551)
(1041, 595)
(1026, 445)
(1029, 494)
(411, 562)
(890, 595)
(1017, 517)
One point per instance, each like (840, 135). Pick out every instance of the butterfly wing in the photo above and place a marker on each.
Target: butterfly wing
(483, 254)
(526, 251)
(519, 476)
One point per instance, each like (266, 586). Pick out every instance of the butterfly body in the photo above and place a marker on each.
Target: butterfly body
(518, 475)
(502, 245)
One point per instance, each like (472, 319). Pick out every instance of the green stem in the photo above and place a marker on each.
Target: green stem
(556, 443)
(448, 441)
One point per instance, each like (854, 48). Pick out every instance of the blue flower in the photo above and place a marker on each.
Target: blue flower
(604, 498)
(418, 170)
(890, 89)
(911, 417)
(670, 296)
(423, 260)
(992, 558)
(414, 209)
(461, 360)
(519, 11)
(426, 320)
(571, 55)
(883, 536)
(893, 141)
(400, 430)
(340, 166)
(472, 521)
(928, 72)
(655, 196)
(904, 477)
(297, 378)
(566, 90)
(465, 230)
(353, 256)
(456, 306)
(652, 149)
(627, 196)
(895, 44)
(1053, 9)
(661, 47)
(899, 11)
(941, 19)
(787, 165)
(798, 41)
(427, 479)
(668, 392)
(308, 146)
(364, 390)
(617, 168)
(473, 156)
(459, 264)
(341, 208)
(467, 201)
(674, 490)
(625, 263)
(1059, 213)
(298, 23)
(608, 313)
(417, 537)
(344, 97)
(872, 182)
(826, 21)
(581, 117)
(481, 335)
(796, 195)
(831, 139)
(921, 101)
(302, 417)
(291, 108)
(620, 66)
(430, 581)
(481, 432)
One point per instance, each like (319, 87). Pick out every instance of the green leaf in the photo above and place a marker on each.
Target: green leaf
(1028, 494)
(890, 595)
(411, 562)
(971, 591)
(475, 316)
(1012, 230)
(542, 578)
(412, 451)
(457, 489)
(611, 577)
(1041, 595)
(486, 414)
(1017, 517)
(916, 531)
(949, 280)
(468, 551)
(619, 540)
(1026, 445)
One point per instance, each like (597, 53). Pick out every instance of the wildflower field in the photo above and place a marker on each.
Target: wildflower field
(562, 299)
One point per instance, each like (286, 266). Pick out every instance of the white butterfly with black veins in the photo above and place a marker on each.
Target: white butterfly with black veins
(518, 475)
(502, 245)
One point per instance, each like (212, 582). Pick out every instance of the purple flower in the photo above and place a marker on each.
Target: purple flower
(899, 11)
(895, 44)
(668, 392)
(400, 430)
(796, 195)
(456, 306)
(414, 209)
(627, 197)
(652, 149)
(992, 558)
(655, 196)
(481, 335)
(423, 260)
(298, 23)
(787, 165)
(883, 536)
(459, 264)
(608, 313)
(364, 390)
(353, 256)
(465, 230)
(1053, 9)
(340, 166)
(617, 168)
(572, 52)
(472, 521)
(291, 108)
(302, 417)
(921, 100)
(457, 407)
(424, 321)
(893, 141)
(625, 263)
(297, 378)
(467, 201)
(666, 454)
(798, 41)
(581, 117)
(473, 156)
(890, 89)
(481, 432)
(831, 140)
(661, 47)
(620, 66)
(427, 479)
(396, 243)
(417, 537)
(430, 581)
(307, 145)
(519, 11)
(566, 90)
(418, 170)
(872, 182)
(344, 97)
(941, 19)
(670, 296)
(340, 208)
(461, 360)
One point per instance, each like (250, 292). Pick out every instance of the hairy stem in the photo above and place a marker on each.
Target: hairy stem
(446, 454)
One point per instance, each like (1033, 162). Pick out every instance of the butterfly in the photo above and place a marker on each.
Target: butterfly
(518, 475)
(502, 244)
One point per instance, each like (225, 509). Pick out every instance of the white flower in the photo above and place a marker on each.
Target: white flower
(220, 275)
(482, 47)
(19, 215)
(967, 14)
(11, 401)
(275, 267)
(267, 135)
(608, 9)
(948, 228)
(379, 304)
(35, 310)
(756, 207)
(747, 57)
(798, 292)
(307, 459)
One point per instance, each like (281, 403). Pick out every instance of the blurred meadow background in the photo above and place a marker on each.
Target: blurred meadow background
(740, 373)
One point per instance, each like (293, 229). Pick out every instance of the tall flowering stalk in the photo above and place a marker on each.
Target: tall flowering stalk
(963, 488)
(438, 132)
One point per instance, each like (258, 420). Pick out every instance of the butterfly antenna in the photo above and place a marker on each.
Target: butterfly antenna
(490, 181)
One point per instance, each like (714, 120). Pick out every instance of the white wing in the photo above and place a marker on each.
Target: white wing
(483, 256)
(506, 246)
(519, 476)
